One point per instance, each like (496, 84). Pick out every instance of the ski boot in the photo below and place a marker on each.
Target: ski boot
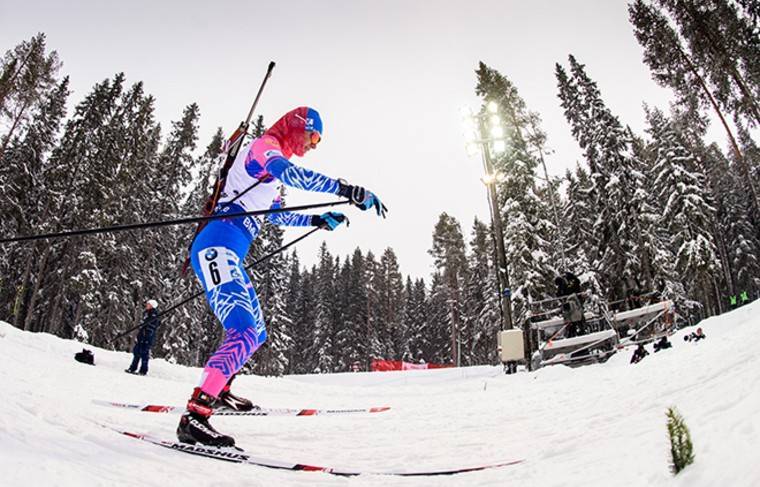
(228, 400)
(194, 426)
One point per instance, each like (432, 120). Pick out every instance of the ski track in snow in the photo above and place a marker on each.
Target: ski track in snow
(595, 425)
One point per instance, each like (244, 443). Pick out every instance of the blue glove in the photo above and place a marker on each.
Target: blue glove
(362, 198)
(328, 221)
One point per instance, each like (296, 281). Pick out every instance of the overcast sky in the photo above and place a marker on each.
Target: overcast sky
(388, 77)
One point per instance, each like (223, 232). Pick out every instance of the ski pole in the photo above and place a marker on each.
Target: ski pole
(174, 307)
(163, 223)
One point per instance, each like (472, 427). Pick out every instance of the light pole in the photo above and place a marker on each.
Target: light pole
(485, 133)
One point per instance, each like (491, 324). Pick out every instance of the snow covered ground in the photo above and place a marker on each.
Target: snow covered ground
(596, 425)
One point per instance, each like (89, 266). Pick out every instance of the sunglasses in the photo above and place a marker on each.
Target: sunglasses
(314, 138)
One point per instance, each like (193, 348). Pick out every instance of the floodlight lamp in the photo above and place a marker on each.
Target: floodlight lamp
(497, 132)
(499, 146)
(495, 121)
(493, 107)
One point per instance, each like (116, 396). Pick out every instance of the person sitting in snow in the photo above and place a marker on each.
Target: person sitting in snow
(662, 344)
(695, 336)
(639, 354)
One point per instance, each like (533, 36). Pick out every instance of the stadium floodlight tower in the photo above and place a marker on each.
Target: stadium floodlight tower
(485, 134)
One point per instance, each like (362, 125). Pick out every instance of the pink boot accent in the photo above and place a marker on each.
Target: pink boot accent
(213, 381)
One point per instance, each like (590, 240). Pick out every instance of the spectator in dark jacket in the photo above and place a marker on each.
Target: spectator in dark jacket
(573, 283)
(145, 338)
(639, 354)
(632, 291)
(561, 286)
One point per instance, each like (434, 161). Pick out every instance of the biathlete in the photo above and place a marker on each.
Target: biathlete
(219, 250)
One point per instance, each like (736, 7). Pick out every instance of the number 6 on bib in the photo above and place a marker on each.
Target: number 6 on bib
(216, 266)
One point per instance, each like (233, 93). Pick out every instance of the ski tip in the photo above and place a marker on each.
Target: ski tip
(311, 468)
(307, 412)
(153, 408)
(115, 404)
(150, 408)
(457, 471)
(132, 435)
(493, 465)
(379, 409)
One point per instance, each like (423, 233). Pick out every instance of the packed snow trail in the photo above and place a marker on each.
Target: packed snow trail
(596, 425)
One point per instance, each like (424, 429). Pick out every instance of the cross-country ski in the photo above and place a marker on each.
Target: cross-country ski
(255, 411)
(237, 455)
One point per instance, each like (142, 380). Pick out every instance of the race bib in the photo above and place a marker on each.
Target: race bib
(218, 265)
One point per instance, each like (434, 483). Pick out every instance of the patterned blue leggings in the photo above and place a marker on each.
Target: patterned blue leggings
(217, 258)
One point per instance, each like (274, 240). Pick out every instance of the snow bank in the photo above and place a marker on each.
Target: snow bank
(596, 425)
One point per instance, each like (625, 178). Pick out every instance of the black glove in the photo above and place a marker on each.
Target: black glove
(328, 221)
(362, 198)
